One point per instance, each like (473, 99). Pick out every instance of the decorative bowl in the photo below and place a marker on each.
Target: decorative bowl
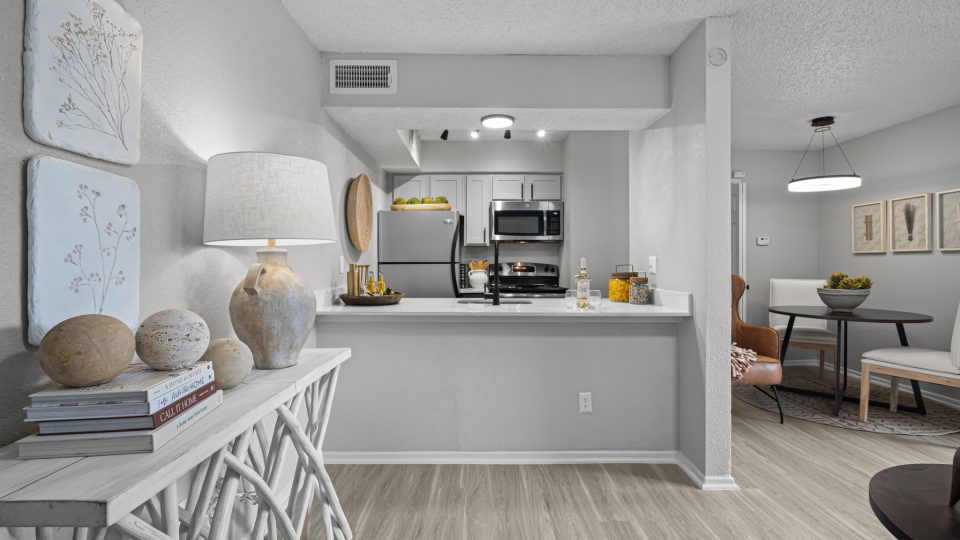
(843, 299)
(384, 300)
(478, 278)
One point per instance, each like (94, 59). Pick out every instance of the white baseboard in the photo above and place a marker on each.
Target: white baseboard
(540, 458)
(881, 380)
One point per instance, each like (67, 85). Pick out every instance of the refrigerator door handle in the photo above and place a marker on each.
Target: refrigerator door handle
(454, 266)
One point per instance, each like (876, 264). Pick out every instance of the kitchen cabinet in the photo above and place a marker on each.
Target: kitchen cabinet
(411, 186)
(543, 187)
(531, 187)
(449, 186)
(508, 187)
(476, 225)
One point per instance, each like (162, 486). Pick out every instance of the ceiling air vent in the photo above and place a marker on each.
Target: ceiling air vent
(363, 76)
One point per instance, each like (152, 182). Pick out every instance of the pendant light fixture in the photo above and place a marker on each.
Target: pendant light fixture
(823, 182)
(497, 121)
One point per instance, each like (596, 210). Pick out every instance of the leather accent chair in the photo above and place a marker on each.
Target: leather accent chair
(765, 341)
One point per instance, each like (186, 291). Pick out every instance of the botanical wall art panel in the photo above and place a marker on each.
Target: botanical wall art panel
(81, 71)
(948, 220)
(83, 244)
(910, 223)
(869, 227)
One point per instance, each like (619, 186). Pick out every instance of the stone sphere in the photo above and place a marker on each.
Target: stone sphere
(232, 361)
(172, 339)
(86, 350)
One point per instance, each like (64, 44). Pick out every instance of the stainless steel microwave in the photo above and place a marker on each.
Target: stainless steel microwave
(526, 221)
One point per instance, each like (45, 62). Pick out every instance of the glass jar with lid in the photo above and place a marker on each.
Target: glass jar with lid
(619, 284)
(640, 292)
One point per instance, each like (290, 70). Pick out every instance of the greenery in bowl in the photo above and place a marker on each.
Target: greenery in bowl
(839, 280)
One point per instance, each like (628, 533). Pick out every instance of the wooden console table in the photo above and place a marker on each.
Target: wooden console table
(235, 450)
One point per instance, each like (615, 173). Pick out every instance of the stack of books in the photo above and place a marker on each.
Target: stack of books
(139, 411)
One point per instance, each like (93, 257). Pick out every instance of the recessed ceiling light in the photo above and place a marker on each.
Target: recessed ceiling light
(497, 121)
(541, 133)
(475, 134)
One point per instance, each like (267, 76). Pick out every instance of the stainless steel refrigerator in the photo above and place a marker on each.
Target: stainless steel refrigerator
(419, 252)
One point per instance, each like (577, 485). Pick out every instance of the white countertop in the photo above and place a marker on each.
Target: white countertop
(671, 307)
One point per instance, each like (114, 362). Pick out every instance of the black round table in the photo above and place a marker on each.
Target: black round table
(918, 501)
(843, 318)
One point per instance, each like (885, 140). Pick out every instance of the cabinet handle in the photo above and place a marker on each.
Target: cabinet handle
(521, 191)
(531, 191)
(484, 235)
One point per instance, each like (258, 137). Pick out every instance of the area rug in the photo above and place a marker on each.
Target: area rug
(940, 419)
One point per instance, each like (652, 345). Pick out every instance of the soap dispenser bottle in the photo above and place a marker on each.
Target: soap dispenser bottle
(583, 285)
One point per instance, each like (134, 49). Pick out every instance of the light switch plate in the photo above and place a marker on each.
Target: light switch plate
(652, 264)
(763, 240)
(342, 264)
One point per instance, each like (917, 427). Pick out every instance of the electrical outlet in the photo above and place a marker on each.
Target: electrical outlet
(763, 240)
(586, 402)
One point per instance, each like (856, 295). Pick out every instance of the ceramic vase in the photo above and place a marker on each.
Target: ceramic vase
(273, 310)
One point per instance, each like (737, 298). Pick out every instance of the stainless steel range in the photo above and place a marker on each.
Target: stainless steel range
(529, 280)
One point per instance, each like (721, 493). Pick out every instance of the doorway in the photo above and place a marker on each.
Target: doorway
(738, 234)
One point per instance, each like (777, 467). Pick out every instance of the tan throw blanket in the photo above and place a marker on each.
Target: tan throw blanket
(740, 361)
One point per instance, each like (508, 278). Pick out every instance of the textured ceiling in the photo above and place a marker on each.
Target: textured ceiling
(503, 26)
(870, 63)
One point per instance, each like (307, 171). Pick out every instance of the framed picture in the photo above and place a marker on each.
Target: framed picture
(948, 220)
(83, 245)
(81, 78)
(868, 227)
(910, 223)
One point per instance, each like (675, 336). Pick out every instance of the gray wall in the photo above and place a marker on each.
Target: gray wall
(680, 212)
(217, 76)
(789, 219)
(595, 188)
(920, 156)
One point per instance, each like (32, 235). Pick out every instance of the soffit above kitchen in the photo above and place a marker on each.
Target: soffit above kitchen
(871, 64)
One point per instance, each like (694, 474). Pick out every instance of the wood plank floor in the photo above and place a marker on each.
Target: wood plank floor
(798, 480)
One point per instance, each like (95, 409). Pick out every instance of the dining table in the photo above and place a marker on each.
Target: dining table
(843, 319)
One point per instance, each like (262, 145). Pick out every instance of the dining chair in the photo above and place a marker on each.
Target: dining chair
(927, 365)
(811, 334)
(763, 341)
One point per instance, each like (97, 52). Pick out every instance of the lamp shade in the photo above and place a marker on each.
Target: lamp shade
(253, 197)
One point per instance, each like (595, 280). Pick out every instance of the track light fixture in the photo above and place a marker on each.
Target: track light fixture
(541, 133)
(475, 134)
(445, 134)
(506, 134)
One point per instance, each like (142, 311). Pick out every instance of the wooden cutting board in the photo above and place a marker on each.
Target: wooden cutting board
(360, 212)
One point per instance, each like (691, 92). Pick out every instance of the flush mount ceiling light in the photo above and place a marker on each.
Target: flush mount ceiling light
(541, 133)
(445, 134)
(497, 121)
(823, 182)
(475, 134)
(506, 134)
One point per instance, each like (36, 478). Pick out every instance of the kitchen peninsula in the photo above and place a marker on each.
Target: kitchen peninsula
(486, 383)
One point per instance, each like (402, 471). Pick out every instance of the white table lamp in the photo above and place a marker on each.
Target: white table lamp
(263, 199)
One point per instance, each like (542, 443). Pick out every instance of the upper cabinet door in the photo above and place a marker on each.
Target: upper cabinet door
(544, 187)
(411, 186)
(449, 186)
(476, 224)
(508, 187)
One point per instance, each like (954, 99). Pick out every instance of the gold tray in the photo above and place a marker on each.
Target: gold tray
(385, 300)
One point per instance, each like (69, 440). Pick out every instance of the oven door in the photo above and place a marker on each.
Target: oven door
(513, 221)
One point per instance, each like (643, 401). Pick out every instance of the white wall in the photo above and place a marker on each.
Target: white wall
(789, 219)
(595, 184)
(526, 81)
(217, 76)
(920, 156)
(680, 212)
(492, 156)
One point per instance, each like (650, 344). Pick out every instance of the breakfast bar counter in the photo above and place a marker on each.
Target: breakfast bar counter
(434, 380)
(670, 308)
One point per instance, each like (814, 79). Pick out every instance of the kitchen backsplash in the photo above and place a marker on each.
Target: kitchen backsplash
(533, 252)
